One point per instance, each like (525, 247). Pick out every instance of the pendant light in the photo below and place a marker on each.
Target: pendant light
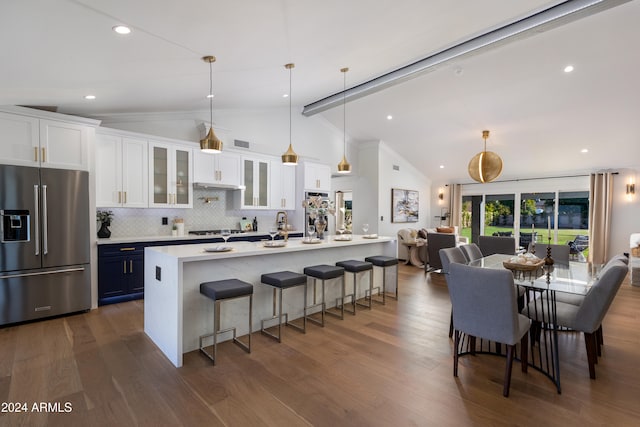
(344, 166)
(211, 143)
(290, 157)
(486, 165)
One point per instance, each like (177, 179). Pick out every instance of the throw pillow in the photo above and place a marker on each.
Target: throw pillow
(422, 233)
(449, 230)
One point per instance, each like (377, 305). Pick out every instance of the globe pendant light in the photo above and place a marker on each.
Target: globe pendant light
(486, 165)
(290, 157)
(344, 166)
(211, 143)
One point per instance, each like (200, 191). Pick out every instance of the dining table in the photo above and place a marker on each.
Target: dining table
(541, 284)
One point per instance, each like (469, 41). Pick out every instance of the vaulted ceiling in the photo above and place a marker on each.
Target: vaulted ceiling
(56, 51)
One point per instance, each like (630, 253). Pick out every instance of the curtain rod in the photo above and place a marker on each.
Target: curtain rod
(534, 179)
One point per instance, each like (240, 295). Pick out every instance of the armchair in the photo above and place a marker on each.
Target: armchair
(435, 242)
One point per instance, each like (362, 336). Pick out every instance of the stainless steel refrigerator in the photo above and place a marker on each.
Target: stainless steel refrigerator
(44, 243)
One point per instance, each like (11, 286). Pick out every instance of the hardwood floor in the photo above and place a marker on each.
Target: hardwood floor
(388, 366)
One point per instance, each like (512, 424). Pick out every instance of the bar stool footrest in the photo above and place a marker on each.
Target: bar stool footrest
(310, 317)
(353, 304)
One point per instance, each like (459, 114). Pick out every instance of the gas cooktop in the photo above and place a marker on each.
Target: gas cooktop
(211, 232)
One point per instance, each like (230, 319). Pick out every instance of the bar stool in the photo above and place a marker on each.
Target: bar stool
(384, 262)
(325, 272)
(355, 267)
(279, 281)
(225, 290)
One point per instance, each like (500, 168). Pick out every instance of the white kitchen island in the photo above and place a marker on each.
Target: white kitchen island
(176, 314)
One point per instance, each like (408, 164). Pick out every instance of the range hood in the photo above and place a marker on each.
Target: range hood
(217, 186)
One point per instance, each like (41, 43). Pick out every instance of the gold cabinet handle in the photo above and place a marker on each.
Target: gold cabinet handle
(119, 196)
(125, 197)
(130, 266)
(44, 154)
(124, 267)
(127, 249)
(35, 154)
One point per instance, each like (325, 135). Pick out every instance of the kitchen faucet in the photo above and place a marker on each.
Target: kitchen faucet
(284, 231)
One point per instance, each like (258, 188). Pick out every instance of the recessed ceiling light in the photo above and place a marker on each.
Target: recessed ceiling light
(122, 29)
(286, 95)
(568, 68)
(441, 166)
(389, 117)
(584, 150)
(89, 97)
(211, 95)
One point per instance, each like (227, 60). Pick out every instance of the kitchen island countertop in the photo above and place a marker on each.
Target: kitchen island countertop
(176, 314)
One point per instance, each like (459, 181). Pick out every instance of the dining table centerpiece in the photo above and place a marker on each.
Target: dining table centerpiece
(319, 208)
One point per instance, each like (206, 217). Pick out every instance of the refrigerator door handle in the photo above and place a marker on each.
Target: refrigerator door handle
(36, 219)
(45, 248)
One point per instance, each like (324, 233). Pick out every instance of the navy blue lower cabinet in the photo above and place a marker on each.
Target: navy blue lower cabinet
(120, 273)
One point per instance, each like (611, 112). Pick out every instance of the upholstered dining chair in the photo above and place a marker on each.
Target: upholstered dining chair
(471, 251)
(559, 253)
(484, 306)
(448, 256)
(490, 245)
(586, 317)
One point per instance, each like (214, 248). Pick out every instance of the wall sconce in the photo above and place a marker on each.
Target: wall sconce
(440, 194)
(631, 190)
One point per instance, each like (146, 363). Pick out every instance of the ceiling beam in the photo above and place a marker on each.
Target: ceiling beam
(545, 20)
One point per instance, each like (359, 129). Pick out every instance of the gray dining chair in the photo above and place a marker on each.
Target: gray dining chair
(484, 306)
(490, 245)
(559, 253)
(586, 317)
(471, 251)
(447, 257)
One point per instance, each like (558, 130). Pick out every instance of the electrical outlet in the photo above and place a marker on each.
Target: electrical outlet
(165, 220)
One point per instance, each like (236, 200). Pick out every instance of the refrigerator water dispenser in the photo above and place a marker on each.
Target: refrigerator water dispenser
(14, 226)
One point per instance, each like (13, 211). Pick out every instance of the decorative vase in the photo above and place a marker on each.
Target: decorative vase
(321, 225)
(104, 232)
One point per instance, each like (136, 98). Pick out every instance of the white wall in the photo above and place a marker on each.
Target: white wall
(407, 178)
(625, 217)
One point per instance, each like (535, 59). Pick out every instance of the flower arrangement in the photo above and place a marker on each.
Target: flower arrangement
(104, 216)
(316, 205)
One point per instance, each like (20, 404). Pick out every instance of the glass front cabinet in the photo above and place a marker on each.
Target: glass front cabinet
(255, 175)
(171, 171)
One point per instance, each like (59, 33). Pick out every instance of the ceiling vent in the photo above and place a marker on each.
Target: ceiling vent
(241, 144)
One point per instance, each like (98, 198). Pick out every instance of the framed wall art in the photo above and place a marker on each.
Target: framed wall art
(404, 205)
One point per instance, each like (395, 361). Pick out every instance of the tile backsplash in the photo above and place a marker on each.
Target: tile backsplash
(134, 222)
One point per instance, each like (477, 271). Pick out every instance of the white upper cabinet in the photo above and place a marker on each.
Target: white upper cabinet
(20, 140)
(317, 176)
(64, 145)
(122, 178)
(31, 141)
(217, 170)
(170, 175)
(255, 178)
(283, 186)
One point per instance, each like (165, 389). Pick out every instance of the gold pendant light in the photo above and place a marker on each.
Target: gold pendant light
(486, 165)
(211, 143)
(344, 166)
(290, 157)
